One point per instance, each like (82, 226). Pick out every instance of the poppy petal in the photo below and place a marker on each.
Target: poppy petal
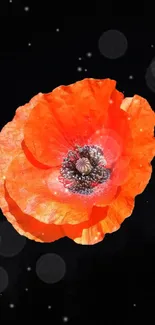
(81, 108)
(35, 198)
(42, 136)
(142, 121)
(117, 212)
(11, 137)
(28, 226)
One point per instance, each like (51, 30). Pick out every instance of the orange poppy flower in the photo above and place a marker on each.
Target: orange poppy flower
(73, 160)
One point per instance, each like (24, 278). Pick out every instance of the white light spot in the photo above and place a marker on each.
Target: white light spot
(85, 69)
(55, 193)
(11, 305)
(26, 289)
(131, 77)
(147, 201)
(89, 54)
(29, 44)
(129, 118)
(110, 101)
(10, 1)
(65, 319)
(42, 233)
(98, 132)
(26, 8)
(57, 30)
(96, 238)
(66, 190)
(4, 177)
(80, 58)
(28, 268)
(99, 233)
(141, 130)
(152, 45)
(79, 69)
(49, 307)
(134, 305)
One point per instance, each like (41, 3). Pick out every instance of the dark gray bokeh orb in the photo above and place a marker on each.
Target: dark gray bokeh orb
(11, 243)
(4, 280)
(50, 268)
(150, 76)
(112, 44)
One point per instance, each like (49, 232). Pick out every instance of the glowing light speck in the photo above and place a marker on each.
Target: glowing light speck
(11, 305)
(65, 319)
(89, 54)
(26, 8)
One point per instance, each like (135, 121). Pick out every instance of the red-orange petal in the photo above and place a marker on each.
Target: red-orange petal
(11, 137)
(27, 186)
(142, 121)
(117, 212)
(43, 137)
(69, 114)
(29, 226)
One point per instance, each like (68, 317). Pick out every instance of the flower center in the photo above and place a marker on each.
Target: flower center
(84, 166)
(83, 169)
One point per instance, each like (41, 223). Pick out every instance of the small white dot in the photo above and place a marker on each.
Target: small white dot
(141, 130)
(26, 9)
(49, 307)
(28, 268)
(65, 319)
(85, 69)
(147, 201)
(79, 69)
(89, 54)
(97, 132)
(55, 193)
(152, 45)
(26, 289)
(99, 233)
(42, 233)
(57, 30)
(29, 44)
(4, 177)
(96, 238)
(130, 77)
(11, 305)
(134, 305)
(66, 190)
(129, 118)
(80, 58)
(10, 1)
(110, 101)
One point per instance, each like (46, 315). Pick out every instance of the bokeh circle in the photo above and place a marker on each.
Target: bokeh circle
(4, 279)
(50, 268)
(112, 44)
(11, 243)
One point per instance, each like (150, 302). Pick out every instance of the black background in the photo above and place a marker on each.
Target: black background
(113, 281)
